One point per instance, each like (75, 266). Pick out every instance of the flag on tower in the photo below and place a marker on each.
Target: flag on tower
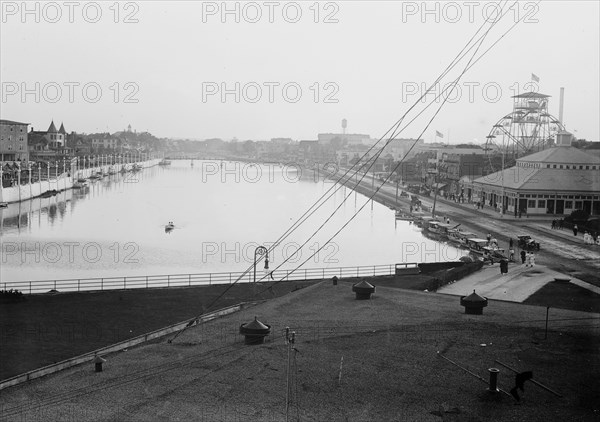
(441, 135)
(535, 78)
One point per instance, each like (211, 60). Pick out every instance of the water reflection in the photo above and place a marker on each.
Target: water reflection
(222, 212)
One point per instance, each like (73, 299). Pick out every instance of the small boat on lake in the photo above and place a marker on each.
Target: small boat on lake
(484, 250)
(460, 237)
(424, 222)
(439, 229)
(404, 216)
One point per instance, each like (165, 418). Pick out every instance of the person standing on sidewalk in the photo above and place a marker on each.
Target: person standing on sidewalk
(523, 257)
(575, 228)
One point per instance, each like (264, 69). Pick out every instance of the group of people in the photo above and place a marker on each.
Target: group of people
(492, 241)
(591, 239)
(528, 258)
(558, 224)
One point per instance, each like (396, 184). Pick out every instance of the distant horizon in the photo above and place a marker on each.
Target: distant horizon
(207, 73)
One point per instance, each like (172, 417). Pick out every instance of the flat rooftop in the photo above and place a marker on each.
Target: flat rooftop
(356, 360)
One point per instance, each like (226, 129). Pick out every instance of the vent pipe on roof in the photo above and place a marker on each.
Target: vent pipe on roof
(561, 105)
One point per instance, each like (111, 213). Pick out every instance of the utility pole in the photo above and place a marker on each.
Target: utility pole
(290, 338)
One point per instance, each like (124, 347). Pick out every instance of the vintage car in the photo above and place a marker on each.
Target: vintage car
(526, 242)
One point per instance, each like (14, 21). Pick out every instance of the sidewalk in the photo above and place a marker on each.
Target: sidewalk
(516, 286)
(566, 234)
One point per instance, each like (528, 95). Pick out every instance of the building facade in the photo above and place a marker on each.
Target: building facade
(556, 181)
(13, 141)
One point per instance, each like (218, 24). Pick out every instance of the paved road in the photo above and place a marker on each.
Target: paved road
(558, 251)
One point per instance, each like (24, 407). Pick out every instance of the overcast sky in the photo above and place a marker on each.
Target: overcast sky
(162, 66)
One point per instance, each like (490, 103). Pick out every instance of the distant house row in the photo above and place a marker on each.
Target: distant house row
(19, 144)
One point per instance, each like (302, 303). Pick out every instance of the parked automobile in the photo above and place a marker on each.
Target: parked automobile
(526, 242)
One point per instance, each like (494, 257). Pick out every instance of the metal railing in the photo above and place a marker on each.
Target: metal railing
(189, 280)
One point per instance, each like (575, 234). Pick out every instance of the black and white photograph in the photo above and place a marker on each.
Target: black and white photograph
(300, 210)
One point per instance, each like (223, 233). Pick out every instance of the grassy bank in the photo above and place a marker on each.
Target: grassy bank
(48, 328)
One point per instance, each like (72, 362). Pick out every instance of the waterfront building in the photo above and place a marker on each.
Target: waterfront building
(403, 148)
(48, 144)
(326, 139)
(104, 141)
(13, 141)
(455, 164)
(555, 181)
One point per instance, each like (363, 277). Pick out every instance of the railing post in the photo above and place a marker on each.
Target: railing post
(210, 279)
(356, 271)
(54, 284)
(102, 284)
(189, 280)
(169, 280)
(323, 278)
(287, 276)
(78, 284)
(146, 281)
(373, 270)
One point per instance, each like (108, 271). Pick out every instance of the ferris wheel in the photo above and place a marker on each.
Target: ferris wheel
(527, 129)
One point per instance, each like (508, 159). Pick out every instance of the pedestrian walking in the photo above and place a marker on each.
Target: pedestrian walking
(575, 230)
(523, 257)
(511, 254)
(528, 259)
(553, 227)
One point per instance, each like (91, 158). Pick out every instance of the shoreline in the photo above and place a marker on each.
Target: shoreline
(22, 193)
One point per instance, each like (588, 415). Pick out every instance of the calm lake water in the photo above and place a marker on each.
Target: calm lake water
(221, 210)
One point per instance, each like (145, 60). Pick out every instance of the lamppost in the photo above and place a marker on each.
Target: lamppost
(502, 202)
(261, 250)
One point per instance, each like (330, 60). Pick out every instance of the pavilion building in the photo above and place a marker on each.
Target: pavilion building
(554, 181)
